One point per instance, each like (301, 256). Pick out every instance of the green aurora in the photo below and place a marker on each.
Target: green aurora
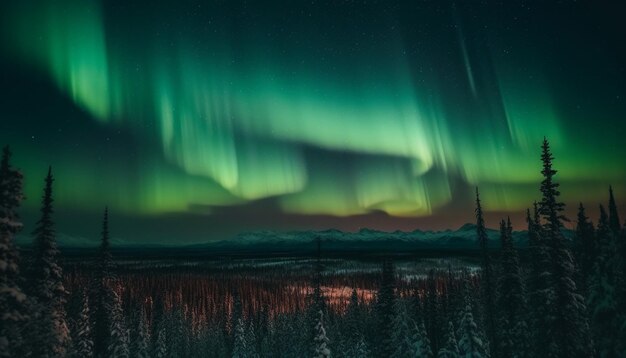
(391, 111)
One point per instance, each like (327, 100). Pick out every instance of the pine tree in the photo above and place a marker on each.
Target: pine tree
(402, 335)
(160, 344)
(82, 342)
(353, 318)
(251, 341)
(360, 350)
(118, 341)
(602, 292)
(451, 347)
(585, 248)
(614, 222)
(432, 316)
(102, 293)
(240, 346)
(487, 278)
(52, 336)
(567, 327)
(511, 298)
(141, 343)
(321, 340)
(421, 343)
(384, 312)
(14, 304)
(470, 342)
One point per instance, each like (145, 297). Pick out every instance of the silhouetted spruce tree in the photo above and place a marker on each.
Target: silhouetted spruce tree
(541, 294)
(568, 327)
(614, 222)
(487, 279)
(52, 336)
(102, 295)
(585, 248)
(14, 305)
(384, 312)
(602, 292)
(511, 299)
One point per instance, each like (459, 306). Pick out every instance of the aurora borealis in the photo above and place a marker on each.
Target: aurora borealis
(195, 120)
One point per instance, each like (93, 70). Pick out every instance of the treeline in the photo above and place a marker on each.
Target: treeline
(567, 300)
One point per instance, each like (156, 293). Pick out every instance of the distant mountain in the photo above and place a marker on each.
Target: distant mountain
(463, 238)
(363, 240)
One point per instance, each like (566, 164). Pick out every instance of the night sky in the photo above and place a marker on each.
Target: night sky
(194, 121)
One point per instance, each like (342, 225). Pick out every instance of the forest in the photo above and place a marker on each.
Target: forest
(554, 297)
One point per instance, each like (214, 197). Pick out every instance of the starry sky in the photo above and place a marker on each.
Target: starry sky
(196, 120)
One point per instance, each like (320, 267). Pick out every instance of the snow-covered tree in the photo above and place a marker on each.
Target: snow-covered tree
(251, 340)
(13, 302)
(52, 333)
(487, 277)
(602, 298)
(450, 348)
(321, 340)
(511, 299)
(240, 346)
(83, 343)
(421, 342)
(119, 340)
(402, 335)
(567, 324)
(102, 292)
(160, 345)
(384, 311)
(471, 344)
(141, 344)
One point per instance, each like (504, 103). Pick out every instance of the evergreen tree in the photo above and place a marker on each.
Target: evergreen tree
(602, 292)
(102, 293)
(451, 347)
(432, 316)
(614, 222)
(384, 312)
(511, 300)
(52, 337)
(567, 327)
(353, 319)
(421, 343)
(470, 342)
(13, 302)
(360, 350)
(240, 346)
(321, 340)
(160, 344)
(141, 343)
(402, 335)
(585, 248)
(83, 343)
(251, 341)
(541, 293)
(118, 341)
(487, 278)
